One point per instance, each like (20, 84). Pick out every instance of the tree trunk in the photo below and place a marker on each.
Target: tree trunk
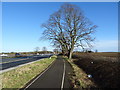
(70, 54)
(63, 52)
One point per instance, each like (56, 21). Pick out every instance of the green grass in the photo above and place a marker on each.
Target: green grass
(18, 77)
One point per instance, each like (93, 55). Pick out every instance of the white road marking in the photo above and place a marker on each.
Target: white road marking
(13, 61)
(39, 76)
(63, 77)
(5, 70)
(16, 60)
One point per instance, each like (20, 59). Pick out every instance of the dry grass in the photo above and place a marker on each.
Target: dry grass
(79, 78)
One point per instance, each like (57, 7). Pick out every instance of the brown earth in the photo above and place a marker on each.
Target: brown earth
(104, 68)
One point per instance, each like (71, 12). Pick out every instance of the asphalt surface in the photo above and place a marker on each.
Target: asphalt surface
(12, 59)
(55, 76)
(18, 61)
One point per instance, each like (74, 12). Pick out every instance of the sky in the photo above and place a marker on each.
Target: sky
(21, 24)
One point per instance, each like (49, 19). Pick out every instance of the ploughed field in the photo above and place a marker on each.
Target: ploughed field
(103, 66)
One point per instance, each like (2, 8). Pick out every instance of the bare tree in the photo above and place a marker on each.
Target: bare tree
(37, 49)
(68, 28)
(56, 51)
(44, 49)
(96, 50)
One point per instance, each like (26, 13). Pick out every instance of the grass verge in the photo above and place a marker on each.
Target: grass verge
(79, 78)
(18, 77)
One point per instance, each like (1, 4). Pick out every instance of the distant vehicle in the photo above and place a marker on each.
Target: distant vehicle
(4, 55)
(38, 54)
(17, 54)
(41, 54)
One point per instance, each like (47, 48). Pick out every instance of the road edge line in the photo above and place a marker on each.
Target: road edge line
(39, 75)
(13, 61)
(11, 68)
(63, 78)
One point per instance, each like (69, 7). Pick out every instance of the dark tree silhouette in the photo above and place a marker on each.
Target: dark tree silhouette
(68, 28)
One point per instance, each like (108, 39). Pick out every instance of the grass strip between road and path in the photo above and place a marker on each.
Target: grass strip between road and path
(79, 78)
(20, 76)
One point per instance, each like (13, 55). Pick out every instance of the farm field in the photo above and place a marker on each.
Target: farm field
(103, 66)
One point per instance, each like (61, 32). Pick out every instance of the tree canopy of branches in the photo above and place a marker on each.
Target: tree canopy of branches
(44, 49)
(68, 28)
(37, 49)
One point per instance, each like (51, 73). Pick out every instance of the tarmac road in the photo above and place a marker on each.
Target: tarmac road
(55, 76)
(12, 59)
(19, 61)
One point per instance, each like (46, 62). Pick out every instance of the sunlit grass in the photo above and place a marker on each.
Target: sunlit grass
(18, 77)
